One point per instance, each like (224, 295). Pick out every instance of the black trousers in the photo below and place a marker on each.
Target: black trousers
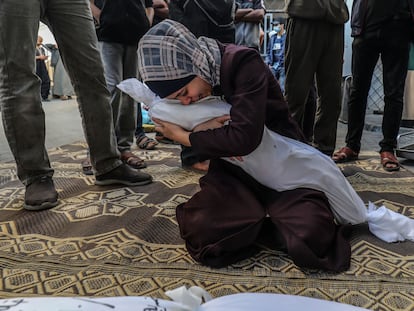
(392, 44)
(314, 51)
(41, 71)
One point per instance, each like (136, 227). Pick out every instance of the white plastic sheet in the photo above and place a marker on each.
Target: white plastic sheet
(289, 164)
(192, 299)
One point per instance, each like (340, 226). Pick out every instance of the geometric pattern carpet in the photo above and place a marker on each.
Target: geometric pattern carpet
(124, 241)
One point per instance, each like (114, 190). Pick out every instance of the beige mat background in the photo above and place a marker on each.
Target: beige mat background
(109, 241)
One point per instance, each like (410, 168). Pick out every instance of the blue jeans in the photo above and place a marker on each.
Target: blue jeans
(280, 76)
(23, 116)
(120, 63)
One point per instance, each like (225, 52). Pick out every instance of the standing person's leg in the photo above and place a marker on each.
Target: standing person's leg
(72, 24)
(365, 53)
(364, 58)
(119, 63)
(300, 64)
(125, 123)
(394, 57)
(23, 116)
(21, 107)
(329, 78)
(112, 55)
(310, 112)
(45, 84)
(281, 78)
(141, 139)
(139, 131)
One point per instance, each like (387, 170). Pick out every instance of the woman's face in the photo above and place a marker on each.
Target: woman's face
(195, 90)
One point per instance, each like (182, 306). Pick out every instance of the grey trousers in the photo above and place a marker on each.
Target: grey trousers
(120, 63)
(314, 49)
(23, 117)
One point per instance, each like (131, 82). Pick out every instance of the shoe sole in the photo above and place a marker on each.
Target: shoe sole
(108, 182)
(137, 167)
(346, 160)
(43, 206)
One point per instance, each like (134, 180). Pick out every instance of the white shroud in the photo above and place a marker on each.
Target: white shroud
(282, 163)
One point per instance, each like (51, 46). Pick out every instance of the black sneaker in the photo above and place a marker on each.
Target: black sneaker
(40, 194)
(124, 175)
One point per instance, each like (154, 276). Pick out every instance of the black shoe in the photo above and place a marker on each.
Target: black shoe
(124, 175)
(40, 194)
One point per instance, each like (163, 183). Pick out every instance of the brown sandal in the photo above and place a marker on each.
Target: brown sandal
(146, 143)
(87, 167)
(345, 154)
(132, 160)
(389, 162)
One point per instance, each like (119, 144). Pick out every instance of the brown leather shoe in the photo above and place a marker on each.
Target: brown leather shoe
(132, 160)
(345, 154)
(389, 162)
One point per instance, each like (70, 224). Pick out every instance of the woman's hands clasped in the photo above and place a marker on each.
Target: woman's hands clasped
(182, 136)
(212, 124)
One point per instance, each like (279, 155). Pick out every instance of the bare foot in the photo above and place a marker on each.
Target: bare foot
(201, 166)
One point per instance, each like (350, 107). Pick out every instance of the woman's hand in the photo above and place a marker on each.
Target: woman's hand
(173, 132)
(212, 124)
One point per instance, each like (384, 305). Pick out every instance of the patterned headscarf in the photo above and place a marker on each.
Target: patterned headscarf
(169, 51)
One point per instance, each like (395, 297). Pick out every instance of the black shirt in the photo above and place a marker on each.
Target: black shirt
(382, 11)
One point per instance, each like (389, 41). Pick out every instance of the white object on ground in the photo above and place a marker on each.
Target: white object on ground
(184, 300)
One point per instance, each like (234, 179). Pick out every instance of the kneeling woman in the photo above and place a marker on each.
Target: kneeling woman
(222, 222)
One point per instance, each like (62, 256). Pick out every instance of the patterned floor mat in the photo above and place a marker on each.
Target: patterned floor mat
(108, 241)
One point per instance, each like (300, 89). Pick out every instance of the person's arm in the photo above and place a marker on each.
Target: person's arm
(177, 133)
(50, 47)
(269, 52)
(161, 8)
(249, 98)
(41, 57)
(150, 14)
(96, 12)
(282, 53)
(173, 132)
(254, 16)
(241, 14)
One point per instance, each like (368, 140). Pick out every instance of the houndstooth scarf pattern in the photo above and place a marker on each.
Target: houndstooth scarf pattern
(169, 51)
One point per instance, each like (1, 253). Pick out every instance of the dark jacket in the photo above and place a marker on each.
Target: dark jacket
(333, 11)
(122, 21)
(368, 16)
(256, 99)
(220, 13)
(359, 8)
(276, 57)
